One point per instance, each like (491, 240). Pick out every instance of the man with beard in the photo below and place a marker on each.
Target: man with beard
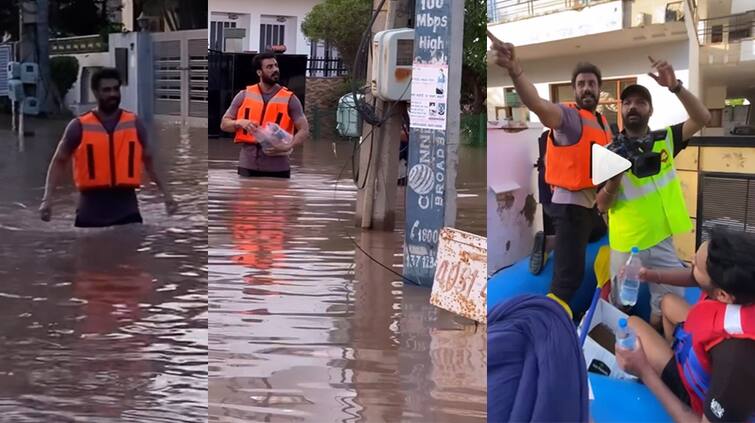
(258, 105)
(704, 369)
(647, 212)
(567, 167)
(108, 146)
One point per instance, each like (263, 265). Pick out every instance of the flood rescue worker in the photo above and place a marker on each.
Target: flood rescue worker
(647, 212)
(574, 129)
(108, 146)
(258, 105)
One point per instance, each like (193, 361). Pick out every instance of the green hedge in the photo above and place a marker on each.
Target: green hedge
(473, 129)
(64, 71)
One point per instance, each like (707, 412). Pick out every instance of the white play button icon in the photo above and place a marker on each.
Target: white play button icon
(606, 164)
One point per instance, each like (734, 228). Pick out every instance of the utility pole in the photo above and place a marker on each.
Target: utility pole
(43, 59)
(34, 45)
(434, 137)
(379, 152)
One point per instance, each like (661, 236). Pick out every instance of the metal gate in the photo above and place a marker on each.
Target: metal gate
(6, 55)
(180, 75)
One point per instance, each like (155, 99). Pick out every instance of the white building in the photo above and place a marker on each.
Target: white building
(711, 48)
(263, 25)
(710, 44)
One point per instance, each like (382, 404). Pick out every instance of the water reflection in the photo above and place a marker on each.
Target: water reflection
(307, 327)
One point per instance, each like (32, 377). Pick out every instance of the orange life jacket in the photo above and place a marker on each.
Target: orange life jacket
(105, 160)
(253, 108)
(708, 323)
(569, 166)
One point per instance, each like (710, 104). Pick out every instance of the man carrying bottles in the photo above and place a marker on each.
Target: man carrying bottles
(255, 107)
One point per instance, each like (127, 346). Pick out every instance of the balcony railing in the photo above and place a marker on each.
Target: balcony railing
(500, 11)
(726, 29)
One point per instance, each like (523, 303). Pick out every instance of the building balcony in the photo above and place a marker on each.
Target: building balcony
(635, 13)
(528, 22)
(727, 39)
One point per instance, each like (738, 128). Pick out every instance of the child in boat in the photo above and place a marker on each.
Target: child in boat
(703, 368)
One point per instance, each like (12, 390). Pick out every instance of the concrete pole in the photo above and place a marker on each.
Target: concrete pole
(434, 138)
(28, 34)
(384, 209)
(363, 215)
(380, 147)
(453, 128)
(44, 85)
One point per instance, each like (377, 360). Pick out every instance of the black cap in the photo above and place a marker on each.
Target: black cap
(636, 89)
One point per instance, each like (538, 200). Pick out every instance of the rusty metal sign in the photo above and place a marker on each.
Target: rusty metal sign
(461, 274)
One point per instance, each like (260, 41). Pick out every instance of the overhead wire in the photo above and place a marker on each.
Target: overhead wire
(368, 114)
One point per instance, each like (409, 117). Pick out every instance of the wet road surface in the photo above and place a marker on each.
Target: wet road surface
(103, 325)
(306, 327)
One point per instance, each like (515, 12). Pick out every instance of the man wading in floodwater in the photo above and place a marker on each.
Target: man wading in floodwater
(258, 105)
(108, 146)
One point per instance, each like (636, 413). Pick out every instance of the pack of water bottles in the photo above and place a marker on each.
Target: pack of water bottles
(605, 331)
(273, 136)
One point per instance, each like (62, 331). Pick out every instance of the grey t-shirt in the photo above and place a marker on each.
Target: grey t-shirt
(251, 156)
(569, 134)
(107, 206)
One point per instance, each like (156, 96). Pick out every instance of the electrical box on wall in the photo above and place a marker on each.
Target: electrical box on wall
(29, 73)
(15, 90)
(14, 70)
(31, 106)
(392, 58)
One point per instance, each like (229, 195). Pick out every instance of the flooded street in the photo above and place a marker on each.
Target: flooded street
(305, 326)
(103, 325)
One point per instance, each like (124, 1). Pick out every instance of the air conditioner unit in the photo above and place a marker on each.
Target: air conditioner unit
(642, 19)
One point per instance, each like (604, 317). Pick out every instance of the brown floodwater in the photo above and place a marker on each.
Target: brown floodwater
(103, 325)
(304, 326)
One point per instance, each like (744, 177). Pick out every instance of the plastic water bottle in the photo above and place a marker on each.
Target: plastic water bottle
(630, 282)
(625, 337)
(273, 135)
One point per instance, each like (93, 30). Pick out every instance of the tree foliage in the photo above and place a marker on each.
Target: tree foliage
(64, 71)
(343, 22)
(67, 18)
(9, 17)
(340, 23)
(70, 18)
(474, 64)
(185, 14)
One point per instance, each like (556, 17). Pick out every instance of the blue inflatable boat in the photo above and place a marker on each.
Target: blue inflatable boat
(615, 400)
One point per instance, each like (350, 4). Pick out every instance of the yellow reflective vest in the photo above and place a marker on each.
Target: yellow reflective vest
(649, 210)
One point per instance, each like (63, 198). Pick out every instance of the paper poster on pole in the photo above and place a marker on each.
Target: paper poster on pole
(429, 96)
